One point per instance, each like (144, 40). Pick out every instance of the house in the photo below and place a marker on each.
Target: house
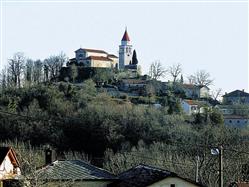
(73, 173)
(195, 91)
(193, 106)
(9, 165)
(145, 175)
(236, 97)
(236, 121)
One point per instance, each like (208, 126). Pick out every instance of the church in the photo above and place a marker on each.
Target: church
(95, 58)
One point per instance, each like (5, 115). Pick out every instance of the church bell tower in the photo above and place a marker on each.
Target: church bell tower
(125, 51)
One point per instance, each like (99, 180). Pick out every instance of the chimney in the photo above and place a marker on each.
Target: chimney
(48, 156)
(243, 90)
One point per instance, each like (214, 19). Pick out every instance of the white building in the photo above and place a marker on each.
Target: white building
(94, 58)
(125, 51)
(194, 91)
(193, 106)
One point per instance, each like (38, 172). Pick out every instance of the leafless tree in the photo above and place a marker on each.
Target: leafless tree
(53, 65)
(201, 78)
(37, 72)
(15, 69)
(3, 79)
(216, 93)
(156, 70)
(175, 70)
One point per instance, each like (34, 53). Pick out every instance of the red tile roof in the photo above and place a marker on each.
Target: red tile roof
(126, 36)
(101, 58)
(191, 102)
(112, 56)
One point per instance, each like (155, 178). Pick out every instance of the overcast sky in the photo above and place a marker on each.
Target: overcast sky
(209, 36)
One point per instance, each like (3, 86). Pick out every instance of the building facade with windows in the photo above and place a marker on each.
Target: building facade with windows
(96, 58)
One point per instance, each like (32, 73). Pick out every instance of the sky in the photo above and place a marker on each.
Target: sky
(210, 36)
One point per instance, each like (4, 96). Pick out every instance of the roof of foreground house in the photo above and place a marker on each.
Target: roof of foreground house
(73, 170)
(144, 175)
(8, 151)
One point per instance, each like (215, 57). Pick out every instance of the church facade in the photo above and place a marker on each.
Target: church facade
(96, 58)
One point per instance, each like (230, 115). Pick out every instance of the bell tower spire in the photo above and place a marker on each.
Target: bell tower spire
(125, 50)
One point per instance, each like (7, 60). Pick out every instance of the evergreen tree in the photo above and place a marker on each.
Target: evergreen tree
(181, 81)
(134, 58)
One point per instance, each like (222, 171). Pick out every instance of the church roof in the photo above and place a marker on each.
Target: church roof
(112, 56)
(126, 36)
(92, 50)
(102, 58)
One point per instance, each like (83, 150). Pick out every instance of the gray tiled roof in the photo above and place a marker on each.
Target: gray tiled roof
(145, 175)
(73, 170)
(237, 93)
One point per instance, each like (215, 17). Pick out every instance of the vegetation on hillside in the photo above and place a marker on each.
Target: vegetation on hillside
(116, 132)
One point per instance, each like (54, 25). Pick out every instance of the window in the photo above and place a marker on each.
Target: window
(172, 185)
(230, 121)
(238, 121)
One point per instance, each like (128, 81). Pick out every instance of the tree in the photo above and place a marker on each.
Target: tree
(15, 69)
(156, 70)
(181, 80)
(3, 79)
(216, 93)
(73, 72)
(200, 78)
(37, 71)
(53, 65)
(102, 75)
(134, 58)
(175, 71)
(29, 66)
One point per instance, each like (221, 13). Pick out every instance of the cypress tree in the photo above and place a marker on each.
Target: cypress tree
(134, 58)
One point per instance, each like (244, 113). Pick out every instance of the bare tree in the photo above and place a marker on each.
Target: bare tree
(37, 72)
(156, 70)
(53, 65)
(29, 67)
(216, 93)
(201, 78)
(3, 79)
(175, 70)
(15, 68)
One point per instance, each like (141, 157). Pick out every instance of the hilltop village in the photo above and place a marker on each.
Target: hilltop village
(121, 77)
(96, 120)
